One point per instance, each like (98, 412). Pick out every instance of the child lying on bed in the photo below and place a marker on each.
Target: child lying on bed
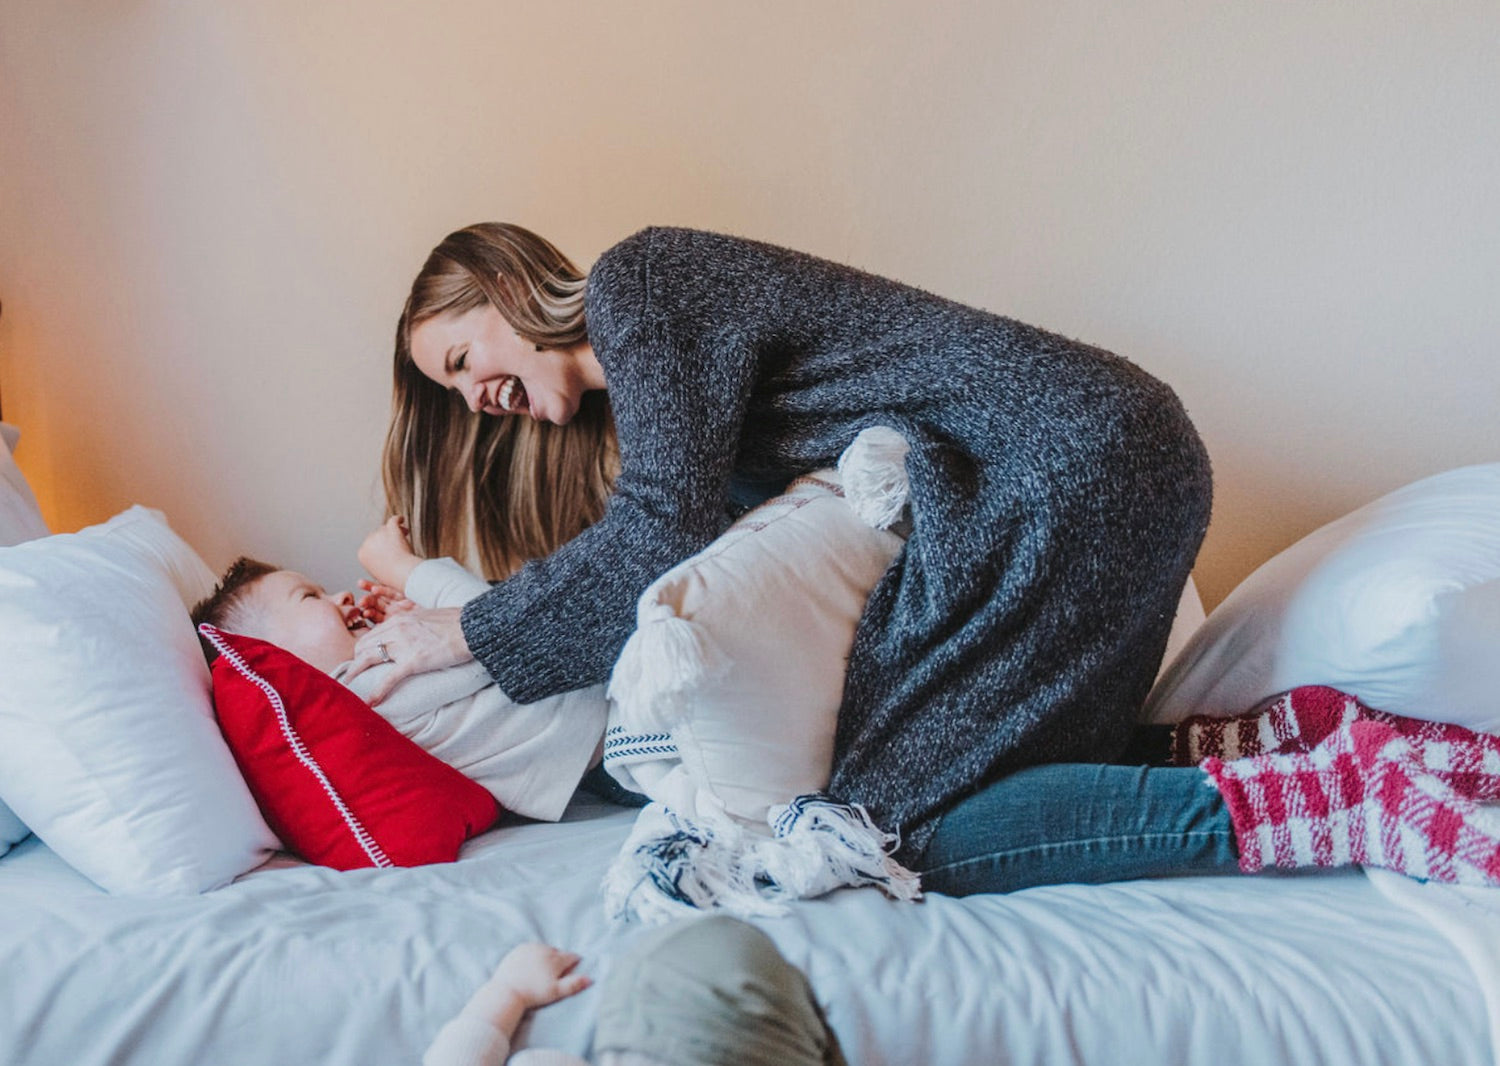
(529, 756)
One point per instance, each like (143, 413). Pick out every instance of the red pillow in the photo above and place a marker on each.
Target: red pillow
(336, 782)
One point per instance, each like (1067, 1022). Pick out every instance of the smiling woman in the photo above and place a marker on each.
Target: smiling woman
(494, 325)
(480, 357)
(1058, 492)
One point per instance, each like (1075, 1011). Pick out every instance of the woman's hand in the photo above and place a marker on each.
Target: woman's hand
(382, 601)
(387, 554)
(415, 641)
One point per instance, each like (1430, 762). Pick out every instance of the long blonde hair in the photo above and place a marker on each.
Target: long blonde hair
(495, 490)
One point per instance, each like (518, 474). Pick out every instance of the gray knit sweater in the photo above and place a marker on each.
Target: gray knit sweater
(1058, 493)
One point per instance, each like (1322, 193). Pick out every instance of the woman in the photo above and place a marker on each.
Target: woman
(1058, 493)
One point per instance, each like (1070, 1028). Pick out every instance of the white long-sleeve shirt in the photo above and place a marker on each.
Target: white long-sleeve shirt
(530, 756)
(470, 1040)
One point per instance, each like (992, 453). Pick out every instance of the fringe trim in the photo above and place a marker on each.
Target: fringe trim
(666, 656)
(873, 470)
(672, 866)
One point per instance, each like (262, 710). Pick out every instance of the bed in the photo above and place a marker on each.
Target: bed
(294, 963)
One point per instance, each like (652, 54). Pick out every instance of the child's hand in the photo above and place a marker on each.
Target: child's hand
(531, 975)
(539, 974)
(381, 602)
(387, 554)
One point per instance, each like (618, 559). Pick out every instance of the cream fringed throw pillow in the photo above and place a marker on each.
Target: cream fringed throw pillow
(725, 699)
(724, 702)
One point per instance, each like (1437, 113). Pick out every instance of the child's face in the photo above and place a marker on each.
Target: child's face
(293, 613)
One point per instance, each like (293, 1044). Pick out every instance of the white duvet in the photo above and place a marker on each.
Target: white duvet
(1469, 918)
(296, 964)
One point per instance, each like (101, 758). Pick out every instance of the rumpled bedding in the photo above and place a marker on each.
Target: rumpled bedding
(300, 964)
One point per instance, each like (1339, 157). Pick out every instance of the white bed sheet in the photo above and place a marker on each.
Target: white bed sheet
(1470, 918)
(298, 964)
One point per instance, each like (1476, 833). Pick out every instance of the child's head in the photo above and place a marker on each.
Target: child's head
(285, 608)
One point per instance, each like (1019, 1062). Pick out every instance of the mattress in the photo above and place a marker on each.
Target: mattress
(301, 964)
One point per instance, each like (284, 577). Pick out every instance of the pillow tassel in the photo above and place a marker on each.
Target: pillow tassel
(822, 844)
(672, 866)
(873, 469)
(665, 656)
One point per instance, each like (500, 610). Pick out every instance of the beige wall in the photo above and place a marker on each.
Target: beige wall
(209, 214)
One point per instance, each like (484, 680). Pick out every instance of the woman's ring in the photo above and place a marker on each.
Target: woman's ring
(385, 654)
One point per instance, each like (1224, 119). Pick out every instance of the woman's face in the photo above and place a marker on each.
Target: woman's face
(479, 356)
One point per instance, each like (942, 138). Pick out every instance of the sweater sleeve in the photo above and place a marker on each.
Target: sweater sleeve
(679, 385)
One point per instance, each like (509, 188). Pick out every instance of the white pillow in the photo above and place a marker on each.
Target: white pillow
(19, 520)
(1187, 621)
(19, 517)
(726, 698)
(1397, 603)
(108, 745)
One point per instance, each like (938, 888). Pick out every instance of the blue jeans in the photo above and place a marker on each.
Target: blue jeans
(1080, 823)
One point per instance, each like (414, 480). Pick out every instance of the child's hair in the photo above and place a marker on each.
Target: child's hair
(227, 607)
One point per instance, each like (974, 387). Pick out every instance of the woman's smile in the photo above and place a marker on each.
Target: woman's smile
(483, 360)
(510, 397)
